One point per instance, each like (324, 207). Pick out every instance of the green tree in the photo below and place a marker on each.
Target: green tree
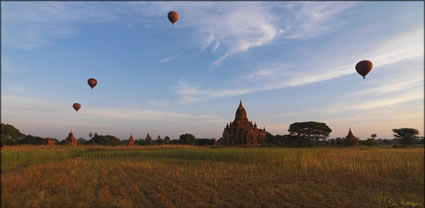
(140, 141)
(9, 134)
(159, 141)
(309, 131)
(370, 142)
(406, 135)
(339, 141)
(29, 139)
(373, 136)
(166, 140)
(273, 139)
(187, 139)
(81, 141)
(104, 140)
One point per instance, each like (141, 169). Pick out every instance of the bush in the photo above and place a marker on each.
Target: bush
(187, 139)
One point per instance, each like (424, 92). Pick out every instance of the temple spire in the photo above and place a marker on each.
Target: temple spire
(240, 112)
(350, 134)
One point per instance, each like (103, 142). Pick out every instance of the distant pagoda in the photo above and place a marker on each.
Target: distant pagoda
(148, 139)
(242, 131)
(70, 140)
(131, 140)
(350, 139)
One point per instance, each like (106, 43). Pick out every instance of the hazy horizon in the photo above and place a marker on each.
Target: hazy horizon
(287, 61)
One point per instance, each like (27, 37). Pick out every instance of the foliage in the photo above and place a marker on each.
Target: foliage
(104, 140)
(187, 139)
(174, 141)
(9, 134)
(204, 142)
(309, 131)
(406, 135)
(140, 142)
(166, 139)
(29, 139)
(159, 141)
(82, 141)
(273, 139)
(370, 142)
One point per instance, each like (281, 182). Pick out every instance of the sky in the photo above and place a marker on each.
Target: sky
(287, 61)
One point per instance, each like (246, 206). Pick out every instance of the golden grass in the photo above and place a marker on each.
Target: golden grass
(184, 176)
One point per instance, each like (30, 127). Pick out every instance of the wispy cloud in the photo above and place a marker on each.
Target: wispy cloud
(411, 96)
(167, 59)
(278, 76)
(236, 27)
(15, 106)
(389, 88)
(404, 46)
(261, 27)
(312, 19)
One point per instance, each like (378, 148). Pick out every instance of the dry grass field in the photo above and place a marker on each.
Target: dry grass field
(182, 176)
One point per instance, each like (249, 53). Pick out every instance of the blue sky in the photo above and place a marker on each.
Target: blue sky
(287, 61)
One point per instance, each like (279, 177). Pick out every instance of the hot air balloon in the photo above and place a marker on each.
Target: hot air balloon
(92, 82)
(364, 67)
(173, 16)
(76, 106)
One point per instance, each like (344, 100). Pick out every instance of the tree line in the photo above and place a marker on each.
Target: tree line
(301, 134)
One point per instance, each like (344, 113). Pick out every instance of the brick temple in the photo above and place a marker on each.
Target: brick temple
(131, 140)
(50, 141)
(350, 139)
(242, 131)
(70, 140)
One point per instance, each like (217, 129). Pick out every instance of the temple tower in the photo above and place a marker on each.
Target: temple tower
(131, 140)
(350, 139)
(242, 131)
(70, 140)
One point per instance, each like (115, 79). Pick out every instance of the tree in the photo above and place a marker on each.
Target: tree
(81, 141)
(29, 139)
(373, 136)
(406, 135)
(187, 139)
(124, 142)
(140, 141)
(339, 141)
(90, 134)
(204, 141)
(159, 141)
(166, 139)
(174, 141)
(273, 139)
(370, 142)
(9, 134)
(104, 140)
(310, 130)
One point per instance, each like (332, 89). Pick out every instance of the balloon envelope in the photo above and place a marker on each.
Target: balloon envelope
(364, 67)
(76, 106)
(173, 17)
(92, 82)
